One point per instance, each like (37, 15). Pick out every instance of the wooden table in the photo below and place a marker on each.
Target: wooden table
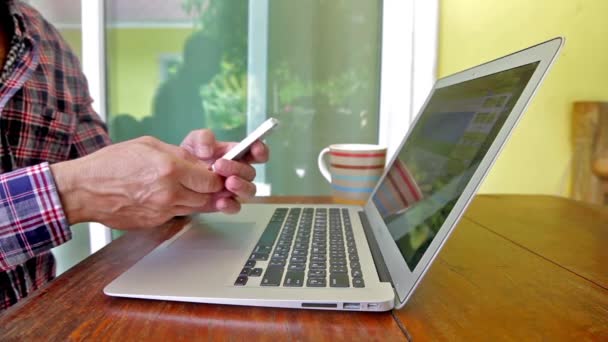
(516, 268)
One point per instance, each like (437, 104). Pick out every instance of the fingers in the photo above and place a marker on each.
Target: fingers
(233, 177)
(229, 168)
(188, 198)
(225, 202)
(240, 187)
(190, 171)
(198, 178)
(258, 153)
(201, 143)
(222, 201)
(228, 205)
(239, 177)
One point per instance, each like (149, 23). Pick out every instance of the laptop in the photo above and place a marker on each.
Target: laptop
(369, 258)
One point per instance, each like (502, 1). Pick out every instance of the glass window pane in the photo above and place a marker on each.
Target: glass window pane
(174, 66)
(323, 85)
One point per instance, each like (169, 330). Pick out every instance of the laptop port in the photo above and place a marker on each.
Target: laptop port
(352, 306)
(372, 306)
(319, 305)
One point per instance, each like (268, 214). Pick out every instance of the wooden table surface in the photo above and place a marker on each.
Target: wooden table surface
(516, 268)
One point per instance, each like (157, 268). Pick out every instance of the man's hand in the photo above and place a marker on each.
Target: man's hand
(239, 174)
(137, 184)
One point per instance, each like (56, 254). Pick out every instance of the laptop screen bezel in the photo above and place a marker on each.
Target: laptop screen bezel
(405, 281)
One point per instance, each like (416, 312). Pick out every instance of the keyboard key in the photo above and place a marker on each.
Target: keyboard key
(241, 281)
(338, 269)
(294, 279)
(270, 234)
(316, 273)
(318, 265)
(318, 258)
(300, 252)
(316, 282)
(250, 263)
(256, 272)
(302, 241)
(337, 262)
(277, 262)
(259, 256)
(245, 271)
(301, 245)
(338, 280)
(296, 267)
(280, 255)
(273, 276)
(319, 250)
(337, 255)
(282, 248)
(358, 282)
(356, 273)
(298, 260)
(262, 249)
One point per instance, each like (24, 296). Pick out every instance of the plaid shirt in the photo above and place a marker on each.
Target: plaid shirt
(45, 117)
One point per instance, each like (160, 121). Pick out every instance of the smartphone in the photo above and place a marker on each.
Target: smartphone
(241, 148)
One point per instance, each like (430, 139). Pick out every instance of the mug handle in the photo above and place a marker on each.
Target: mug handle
(322, 166)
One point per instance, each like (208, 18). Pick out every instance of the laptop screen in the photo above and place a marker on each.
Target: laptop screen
(442, 153)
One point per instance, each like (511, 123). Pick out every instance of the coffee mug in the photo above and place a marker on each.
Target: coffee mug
(354, 170)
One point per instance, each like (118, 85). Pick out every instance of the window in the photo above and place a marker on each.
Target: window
(173, 66)
(166, 67)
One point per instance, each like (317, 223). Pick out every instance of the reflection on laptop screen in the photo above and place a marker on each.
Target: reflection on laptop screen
(442, 153)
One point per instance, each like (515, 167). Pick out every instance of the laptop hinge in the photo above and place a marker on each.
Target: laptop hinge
(383, 273)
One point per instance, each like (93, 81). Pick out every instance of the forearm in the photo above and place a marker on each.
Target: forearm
(32, 219)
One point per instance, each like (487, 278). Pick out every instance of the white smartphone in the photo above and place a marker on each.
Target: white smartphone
(241, 148)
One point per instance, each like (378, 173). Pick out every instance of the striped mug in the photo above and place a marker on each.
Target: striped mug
(354, 170)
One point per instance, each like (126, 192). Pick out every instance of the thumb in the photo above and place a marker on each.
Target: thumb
(200, 143)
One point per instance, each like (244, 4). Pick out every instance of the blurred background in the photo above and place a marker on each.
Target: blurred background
(338, 71)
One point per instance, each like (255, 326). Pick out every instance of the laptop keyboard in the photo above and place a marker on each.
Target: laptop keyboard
(305, 247)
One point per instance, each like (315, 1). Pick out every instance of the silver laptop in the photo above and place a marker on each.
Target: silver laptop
(367, 258)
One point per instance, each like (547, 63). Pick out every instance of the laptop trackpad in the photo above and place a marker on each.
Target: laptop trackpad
(215, 236)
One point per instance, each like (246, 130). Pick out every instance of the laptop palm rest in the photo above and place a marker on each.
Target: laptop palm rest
(202, 259)
(215, 236)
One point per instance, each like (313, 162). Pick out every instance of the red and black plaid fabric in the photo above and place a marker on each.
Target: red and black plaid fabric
(45, 116)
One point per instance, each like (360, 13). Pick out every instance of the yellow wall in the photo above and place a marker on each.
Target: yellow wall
(134, 66)
(536, 159)
(73, 38)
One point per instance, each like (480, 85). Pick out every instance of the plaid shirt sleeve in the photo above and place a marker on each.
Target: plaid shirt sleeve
(91, 132)
(32, 220)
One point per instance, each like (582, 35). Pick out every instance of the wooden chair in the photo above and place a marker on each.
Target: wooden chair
(590, 158)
